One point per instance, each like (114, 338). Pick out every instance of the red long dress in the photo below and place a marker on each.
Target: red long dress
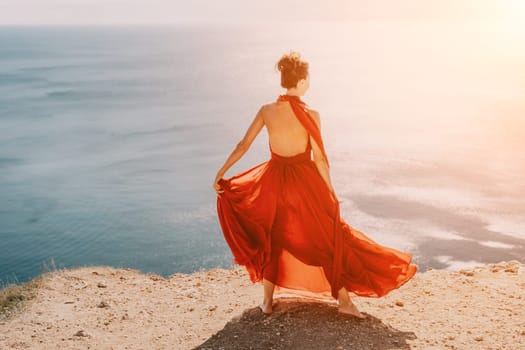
(282, 223)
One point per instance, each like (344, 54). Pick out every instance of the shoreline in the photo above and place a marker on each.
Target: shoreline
(103, 307)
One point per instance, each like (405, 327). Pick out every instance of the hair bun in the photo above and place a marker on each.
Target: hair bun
(292, 69)
(289, 62)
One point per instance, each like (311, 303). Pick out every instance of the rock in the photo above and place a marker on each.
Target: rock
(101, 285)
(103, 304)
(155, 277)
(80, 333)
(400, 303)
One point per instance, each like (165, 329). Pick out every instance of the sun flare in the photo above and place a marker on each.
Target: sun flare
(515, 14)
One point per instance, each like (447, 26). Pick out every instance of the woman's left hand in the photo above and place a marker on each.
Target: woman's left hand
(334, 197)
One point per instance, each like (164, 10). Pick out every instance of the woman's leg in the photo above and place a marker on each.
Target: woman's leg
(345, 304)
(270, 273)
(266, 305)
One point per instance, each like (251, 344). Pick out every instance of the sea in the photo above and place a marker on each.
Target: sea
(111, 136)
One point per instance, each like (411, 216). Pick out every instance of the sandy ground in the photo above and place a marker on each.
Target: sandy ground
(101, 307)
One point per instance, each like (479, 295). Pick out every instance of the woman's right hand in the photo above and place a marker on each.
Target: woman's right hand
(218, 189)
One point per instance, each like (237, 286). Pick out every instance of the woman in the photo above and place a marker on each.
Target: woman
(281, 218)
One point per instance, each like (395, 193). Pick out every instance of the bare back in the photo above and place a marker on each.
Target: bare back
(287, 135)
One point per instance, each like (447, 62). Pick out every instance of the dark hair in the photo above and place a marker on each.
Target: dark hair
(292, 69)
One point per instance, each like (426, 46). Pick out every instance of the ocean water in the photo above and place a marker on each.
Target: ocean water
(110, 138)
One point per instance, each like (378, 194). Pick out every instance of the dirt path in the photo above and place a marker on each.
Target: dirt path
(101, 307)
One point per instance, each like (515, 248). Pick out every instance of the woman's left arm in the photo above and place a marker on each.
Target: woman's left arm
(241, 148)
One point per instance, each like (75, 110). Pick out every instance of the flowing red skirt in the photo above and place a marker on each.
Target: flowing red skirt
(282, 223)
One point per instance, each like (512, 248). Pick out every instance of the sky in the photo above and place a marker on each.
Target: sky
(93, 12)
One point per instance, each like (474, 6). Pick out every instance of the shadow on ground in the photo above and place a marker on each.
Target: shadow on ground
(299, 324)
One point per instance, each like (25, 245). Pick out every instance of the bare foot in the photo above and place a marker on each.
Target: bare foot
(350, 309)
(266, 308)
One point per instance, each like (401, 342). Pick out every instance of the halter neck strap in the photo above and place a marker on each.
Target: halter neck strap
(298, 107)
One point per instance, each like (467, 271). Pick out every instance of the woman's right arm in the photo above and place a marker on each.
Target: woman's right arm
(241, 148)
